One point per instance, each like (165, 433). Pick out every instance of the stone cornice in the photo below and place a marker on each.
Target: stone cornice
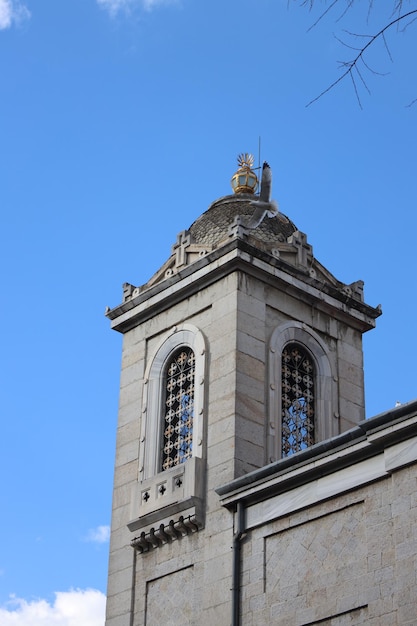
(238, 255)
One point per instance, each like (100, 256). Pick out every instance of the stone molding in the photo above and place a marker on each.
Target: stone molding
(173, 491)
(327, 413)
(334, 298)
(181, 335)
(166, 533)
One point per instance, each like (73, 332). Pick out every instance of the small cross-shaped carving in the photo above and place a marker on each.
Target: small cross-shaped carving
(178, 482)
(146, 496)
(127, 291)
(162, 489)
(180, 247)
(304, 250)
(237, 228)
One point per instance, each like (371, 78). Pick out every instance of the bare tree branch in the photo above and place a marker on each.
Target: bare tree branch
(322, 15)
(353, 64)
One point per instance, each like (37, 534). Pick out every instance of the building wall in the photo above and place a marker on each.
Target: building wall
(261, 310)
(349, 560)
(189, 580)
(203, 558)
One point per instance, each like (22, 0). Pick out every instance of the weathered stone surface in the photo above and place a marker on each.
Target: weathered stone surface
(171, 599)
(318, 553)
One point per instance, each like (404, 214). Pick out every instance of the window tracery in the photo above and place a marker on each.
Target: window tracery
(297, 400)
(302, 403)
(177, 440)
(173, 402)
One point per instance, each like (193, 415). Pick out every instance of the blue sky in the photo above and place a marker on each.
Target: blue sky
(120, 122)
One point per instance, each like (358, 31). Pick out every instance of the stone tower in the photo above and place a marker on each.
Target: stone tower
(240, 351)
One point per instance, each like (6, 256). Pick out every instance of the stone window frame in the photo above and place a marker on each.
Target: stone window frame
(326, 425)
(169, 503)
(153, 397)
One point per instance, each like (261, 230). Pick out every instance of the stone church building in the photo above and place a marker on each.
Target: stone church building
(249, 489)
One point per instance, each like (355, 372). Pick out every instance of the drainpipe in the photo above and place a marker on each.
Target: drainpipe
(133, 589)
(236, 572)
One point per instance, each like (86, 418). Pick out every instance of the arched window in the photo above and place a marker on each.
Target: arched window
(179, 390)
(302, 403)
(297, 399)
(171, 449)
(173, 402)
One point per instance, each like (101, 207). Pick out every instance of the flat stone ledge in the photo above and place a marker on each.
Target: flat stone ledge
(391, 436)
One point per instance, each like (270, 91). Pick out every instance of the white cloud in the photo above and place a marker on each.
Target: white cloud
(12, 11)
(150, 4)
(71, 608)
(114, 6)
(101, 534)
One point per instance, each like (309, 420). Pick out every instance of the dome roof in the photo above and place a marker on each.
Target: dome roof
(212, 227)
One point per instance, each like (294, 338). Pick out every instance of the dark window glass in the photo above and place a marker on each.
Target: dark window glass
(298, 375)
(177, 438)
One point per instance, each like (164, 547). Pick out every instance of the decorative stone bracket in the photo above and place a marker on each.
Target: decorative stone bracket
(166, 533)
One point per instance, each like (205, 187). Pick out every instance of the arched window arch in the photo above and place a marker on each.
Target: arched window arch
(173, 402)
(302, 391)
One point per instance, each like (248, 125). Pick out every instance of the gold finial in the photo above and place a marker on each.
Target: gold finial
(245, 159)
(245, 179)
